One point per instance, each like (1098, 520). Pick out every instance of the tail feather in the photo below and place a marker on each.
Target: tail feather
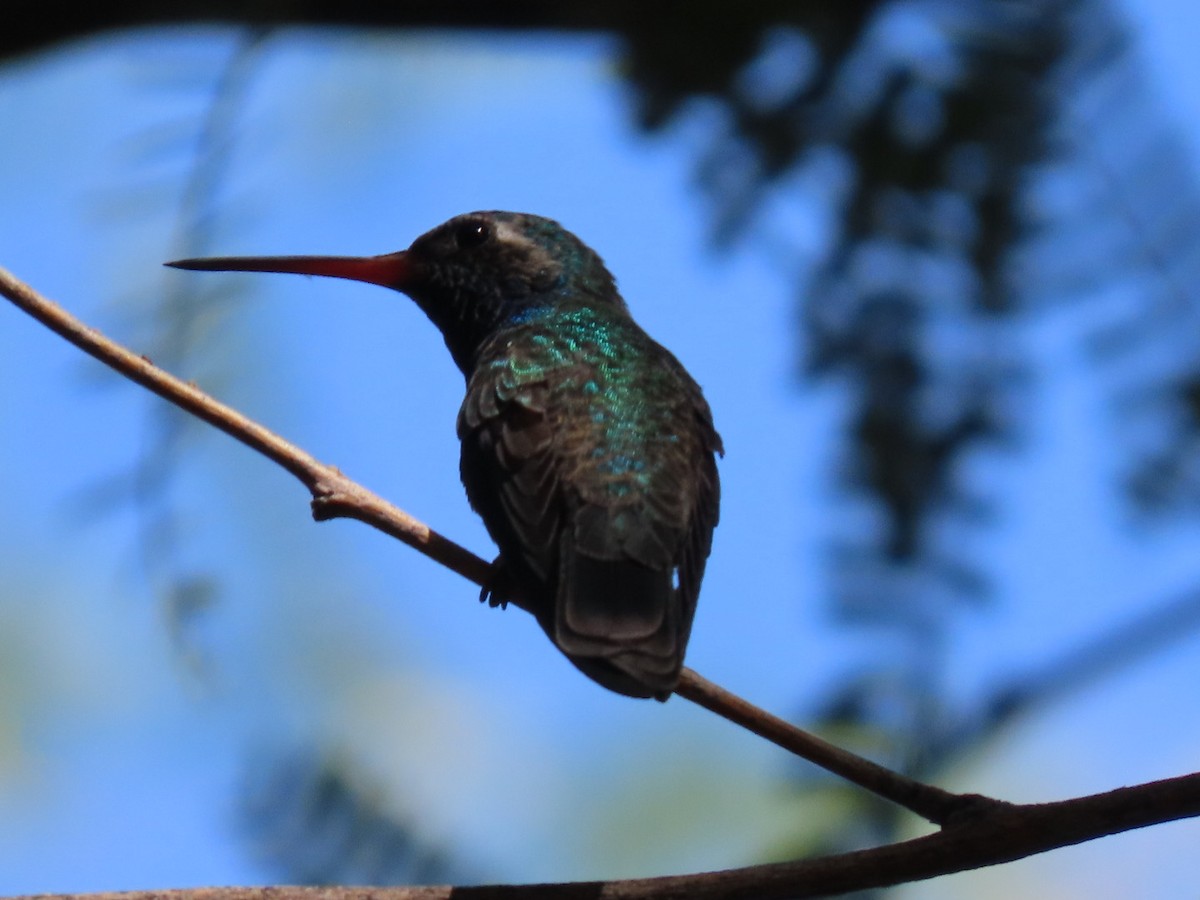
(615, 601)
(619, 621)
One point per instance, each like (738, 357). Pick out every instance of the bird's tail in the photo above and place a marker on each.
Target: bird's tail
(620, 623)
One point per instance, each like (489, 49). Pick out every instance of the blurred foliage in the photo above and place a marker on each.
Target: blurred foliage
(316, 820)
(981, 160)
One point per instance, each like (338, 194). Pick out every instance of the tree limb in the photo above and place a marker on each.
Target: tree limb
(336, 496)
(1001, 834)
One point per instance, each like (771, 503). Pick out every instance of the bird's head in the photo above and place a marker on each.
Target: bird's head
(471, 275)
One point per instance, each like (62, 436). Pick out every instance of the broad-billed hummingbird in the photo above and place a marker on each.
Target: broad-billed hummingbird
(586, 447)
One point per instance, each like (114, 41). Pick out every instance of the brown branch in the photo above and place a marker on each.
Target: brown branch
(336, 496)
(978, 831)
(1000, 835)
(929, 802)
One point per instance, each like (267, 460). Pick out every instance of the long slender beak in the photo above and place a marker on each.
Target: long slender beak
(393, 270)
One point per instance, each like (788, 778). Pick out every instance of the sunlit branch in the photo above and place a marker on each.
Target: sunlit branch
(336, 496)
(1001, 834)
(978, 831)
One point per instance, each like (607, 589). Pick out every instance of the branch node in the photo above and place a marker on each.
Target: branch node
(966, 809)
(328, 502)
(322, 508)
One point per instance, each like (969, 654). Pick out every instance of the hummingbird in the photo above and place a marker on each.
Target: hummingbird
(586, 447)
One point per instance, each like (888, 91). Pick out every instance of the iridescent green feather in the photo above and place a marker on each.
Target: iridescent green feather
(588, 450)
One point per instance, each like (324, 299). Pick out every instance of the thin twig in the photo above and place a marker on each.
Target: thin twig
(932, 803)
(1153, 629)
(162, 539)
(336, 496)
(981, 831)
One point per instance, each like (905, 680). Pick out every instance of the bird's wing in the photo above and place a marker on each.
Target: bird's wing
(509, 469)
(611, 515)
(632, 563)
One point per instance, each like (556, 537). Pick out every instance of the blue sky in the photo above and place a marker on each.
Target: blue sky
(118, 762)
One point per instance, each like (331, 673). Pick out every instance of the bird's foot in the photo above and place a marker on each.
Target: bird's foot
(499, 585)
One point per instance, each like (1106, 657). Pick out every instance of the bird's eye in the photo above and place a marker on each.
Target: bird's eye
(472, 234)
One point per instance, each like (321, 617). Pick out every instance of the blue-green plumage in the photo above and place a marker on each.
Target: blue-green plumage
(587, 449)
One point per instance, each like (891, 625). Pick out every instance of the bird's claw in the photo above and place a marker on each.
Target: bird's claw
(499, 586)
